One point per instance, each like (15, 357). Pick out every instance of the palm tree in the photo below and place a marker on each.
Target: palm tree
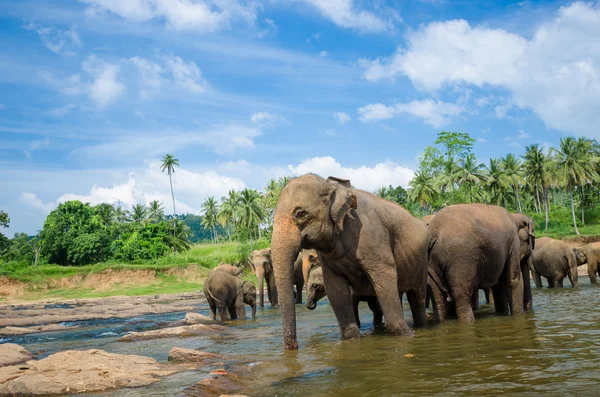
(423, 190)
(169, 162)
(469, 172)
(210, 210)
(586, 149)
(180, 241)
(447, 178)
(139, 213)
(121, 215)
(497, 181)
(156, 212)
(573, 168)
(381, 192)
(106, 213)
(537, 174)
(512, 167)
(251, 213)
(229, 213)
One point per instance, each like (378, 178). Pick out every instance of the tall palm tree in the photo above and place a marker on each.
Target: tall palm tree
(573, 168)
(382, 192)
(497, 181)
(447, 177)
(180, 241)
(156, 211)
(169, 162)
(251, 213)
(586, 149)
(469, 173)
(121, 215)
(139, 213)
(229, 213)
(512, 167)
(210, 210)
(537, 167)
(423, 190)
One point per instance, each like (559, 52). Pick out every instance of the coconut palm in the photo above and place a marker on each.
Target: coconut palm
(469, 173)
(497, 182)
(512, 167)
(537, 174)
(210, 210)
(139, 213)
(229, 213)
(251, 213)
(180, 240)
(423, 190)
(586, 149)
(156, 211)
(169, 162)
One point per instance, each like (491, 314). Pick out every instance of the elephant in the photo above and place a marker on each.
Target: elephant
(366, 244)
(590, 254)
(315, 288)
(555, 260)
(472, 246)
(260, 261)
(236, 271)
(228, 294)
(428, 218)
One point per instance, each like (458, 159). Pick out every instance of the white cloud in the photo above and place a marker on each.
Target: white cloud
(105, 87)
(435, 113)
(522, 135)
(61, 42)
(486, 130)
(341, 117)
(37, 145)
(33, 201)
(151, 80)
(62, 110)
(181, 15)
(264, 118)
(186, 75)
(481, 140)
(364, 177)
(346, 14)
(323, 54)
(270, 29)
(554, 73)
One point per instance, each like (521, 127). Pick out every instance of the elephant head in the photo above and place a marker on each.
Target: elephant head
(580, 256)
(226, 267)
(310, 211)
(313, 276)
(249, 290)
(260, 261)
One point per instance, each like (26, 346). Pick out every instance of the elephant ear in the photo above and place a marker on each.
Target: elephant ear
(342, 202)
(343, 182)
(526, 228)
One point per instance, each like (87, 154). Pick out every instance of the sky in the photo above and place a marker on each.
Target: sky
(94, 92)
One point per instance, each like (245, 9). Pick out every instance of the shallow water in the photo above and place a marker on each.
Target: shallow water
(554, 351)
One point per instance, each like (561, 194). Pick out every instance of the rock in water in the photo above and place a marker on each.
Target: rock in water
(189, 330)
(197, 318)
(74, 371)
(191, 356)
(12, 354)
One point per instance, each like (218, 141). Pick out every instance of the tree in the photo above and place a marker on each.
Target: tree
(156, 211)
(168, 164)
(496, 181)
(423, 190)
(573, 168)
(4, 219)
(537, 174)
(456, 144)
(121, 215)
(229, 213)
(469, 173)
(139, 213)
(179, 240)
(512, 168)
(396, 194)
(210, 210)
(251, 214)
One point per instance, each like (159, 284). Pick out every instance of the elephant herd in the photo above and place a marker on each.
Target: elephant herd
(353, 246)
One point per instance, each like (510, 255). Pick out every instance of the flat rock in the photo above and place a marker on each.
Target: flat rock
(214, 386)
(191, 356)
(197, 318)
(12, 354)
(74, 371)
(188, 330)
(9, 331)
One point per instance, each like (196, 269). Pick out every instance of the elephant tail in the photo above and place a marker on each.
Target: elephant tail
(433, 272)
(211, 294)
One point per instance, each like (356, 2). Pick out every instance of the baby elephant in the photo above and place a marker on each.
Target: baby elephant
(228, 294)
(315, 288)
(555, 260)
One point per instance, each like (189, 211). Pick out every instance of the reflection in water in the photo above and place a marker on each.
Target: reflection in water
(554, 350)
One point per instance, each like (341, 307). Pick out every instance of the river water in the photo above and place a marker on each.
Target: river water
(552, 351)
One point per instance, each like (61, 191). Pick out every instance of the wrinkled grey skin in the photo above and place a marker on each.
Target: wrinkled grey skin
(227, 294)
(474, 246)
(236, 271)
(369, 245)
(590, 254)
(260, 261)
(554, 260)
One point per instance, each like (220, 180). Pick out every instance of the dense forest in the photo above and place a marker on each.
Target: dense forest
(555, 185)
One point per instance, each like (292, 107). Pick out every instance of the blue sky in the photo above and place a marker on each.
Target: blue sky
(94, 92)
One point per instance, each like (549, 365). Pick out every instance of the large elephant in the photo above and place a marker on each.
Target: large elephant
(315, 288)
(590, 254)
(554, 260)
(262, 266)
(474, 246)
(369, 245)
(227, 294)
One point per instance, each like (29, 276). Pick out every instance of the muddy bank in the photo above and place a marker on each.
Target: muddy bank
(30, 316)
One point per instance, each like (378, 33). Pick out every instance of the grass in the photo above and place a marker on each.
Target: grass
(560, 224)
(182, 272)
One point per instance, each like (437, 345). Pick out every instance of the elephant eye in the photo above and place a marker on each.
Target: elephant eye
(300, 214)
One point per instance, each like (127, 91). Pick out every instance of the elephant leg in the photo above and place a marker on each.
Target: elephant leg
(340, 298)
(571, 280)
(377, 313)
(464, 311)
(212, 311)
(551, 283)
(355, 302)
(515, 289)
(500, 300)
(428, 297)
(559, 283)
(299, 287)
(486, 292)
(537, 278)
(272, 291)
(386, 289)
(475, 300)
(416, 300)
(223, 312)
(238, 305)
(232, 312)
(592, 270)
(440, 308)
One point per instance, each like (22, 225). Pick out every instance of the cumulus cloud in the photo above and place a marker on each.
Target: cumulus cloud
(346, 14)
(186, 75)
(105, 86)
(554, 73)
(435, 113)
(61, 42)
(364, 177)
(35, 202)
(181, 15)
(341, 117)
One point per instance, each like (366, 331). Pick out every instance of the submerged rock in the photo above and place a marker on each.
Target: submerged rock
(189, 330)
(191, 356)
(197, 318)
(11, 331)
(12, 354)
(81, 371)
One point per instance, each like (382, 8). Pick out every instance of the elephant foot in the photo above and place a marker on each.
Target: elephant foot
(351, 332)
(402, 330)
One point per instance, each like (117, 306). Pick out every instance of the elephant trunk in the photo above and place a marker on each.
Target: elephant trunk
(260, 275)
(527, 295)
(311, 302)
(285, 247)
(254, 310)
